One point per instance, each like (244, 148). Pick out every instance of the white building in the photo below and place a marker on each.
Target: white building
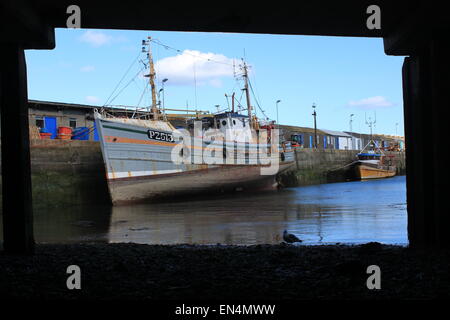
(337, 140)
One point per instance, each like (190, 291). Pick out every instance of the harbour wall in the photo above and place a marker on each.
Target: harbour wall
(67, 172)
(71, 172)
(315, 166)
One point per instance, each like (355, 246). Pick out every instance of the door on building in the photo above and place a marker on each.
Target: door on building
(50, 126)
(95, 132)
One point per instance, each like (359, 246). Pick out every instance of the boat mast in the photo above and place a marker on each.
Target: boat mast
(371, 123)
(151, 76)
(232, 102)
(247, 94)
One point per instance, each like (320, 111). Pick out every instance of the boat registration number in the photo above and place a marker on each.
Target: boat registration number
(160, 136)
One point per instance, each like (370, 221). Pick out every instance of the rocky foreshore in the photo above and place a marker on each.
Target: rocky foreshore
(196, 273)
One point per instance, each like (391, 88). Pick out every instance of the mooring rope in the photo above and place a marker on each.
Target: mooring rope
(349, 164)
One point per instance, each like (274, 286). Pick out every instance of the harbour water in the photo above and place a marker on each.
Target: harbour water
(348, 212)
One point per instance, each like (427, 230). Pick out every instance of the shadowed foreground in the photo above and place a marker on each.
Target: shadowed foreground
(262, 272)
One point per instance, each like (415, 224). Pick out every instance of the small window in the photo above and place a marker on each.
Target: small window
(224, 123)
(234, 122)
(40, 122)
(73, 123)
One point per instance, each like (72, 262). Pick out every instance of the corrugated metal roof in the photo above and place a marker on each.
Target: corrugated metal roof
(336, 133)
(300, 129)
(80, 106)
(62, 104)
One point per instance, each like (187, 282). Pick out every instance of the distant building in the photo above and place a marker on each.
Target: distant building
(386, 142)
(337, 140)
(341, 140)
(392, 142)
(359, 140)
(303, 136)
(51, 115)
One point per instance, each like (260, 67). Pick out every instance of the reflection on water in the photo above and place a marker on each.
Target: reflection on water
(350, 212)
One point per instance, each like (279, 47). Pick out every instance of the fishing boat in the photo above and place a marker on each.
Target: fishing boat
(372, 163)
(147, 158)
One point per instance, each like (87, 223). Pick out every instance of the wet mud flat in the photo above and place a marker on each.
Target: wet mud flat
(222, 273)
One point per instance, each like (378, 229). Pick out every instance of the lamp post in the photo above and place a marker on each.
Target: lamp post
(160, 104)
(164, 106)
(315, 125)
(278, 101)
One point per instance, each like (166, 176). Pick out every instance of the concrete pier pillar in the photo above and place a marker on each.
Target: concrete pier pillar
(426, 88)
(15, 146)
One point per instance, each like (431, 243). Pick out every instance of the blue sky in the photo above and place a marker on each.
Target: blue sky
(342, 76)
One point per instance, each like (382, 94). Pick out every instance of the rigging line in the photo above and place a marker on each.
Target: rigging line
(257, 103)
(235, 85)
(156, 41)
(254, 95)
(142, 95)
(123, 77)
(256, 90)
(240, 99)
(232, 91)
(238, 103)
(157, 59)
(140, 99)
(259, 107)
(132, 79)
(138, 85)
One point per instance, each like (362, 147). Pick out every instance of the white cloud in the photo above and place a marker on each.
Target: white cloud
(371, 103)
(98, 38)
(209, 68)
(87, 68)
(92, 99)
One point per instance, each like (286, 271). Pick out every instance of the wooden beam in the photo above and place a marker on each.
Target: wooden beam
(16, 172)
(331, 18)
(426, 83)
(24, 25)
(410, 35)
(440, 115)
(416, 176)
